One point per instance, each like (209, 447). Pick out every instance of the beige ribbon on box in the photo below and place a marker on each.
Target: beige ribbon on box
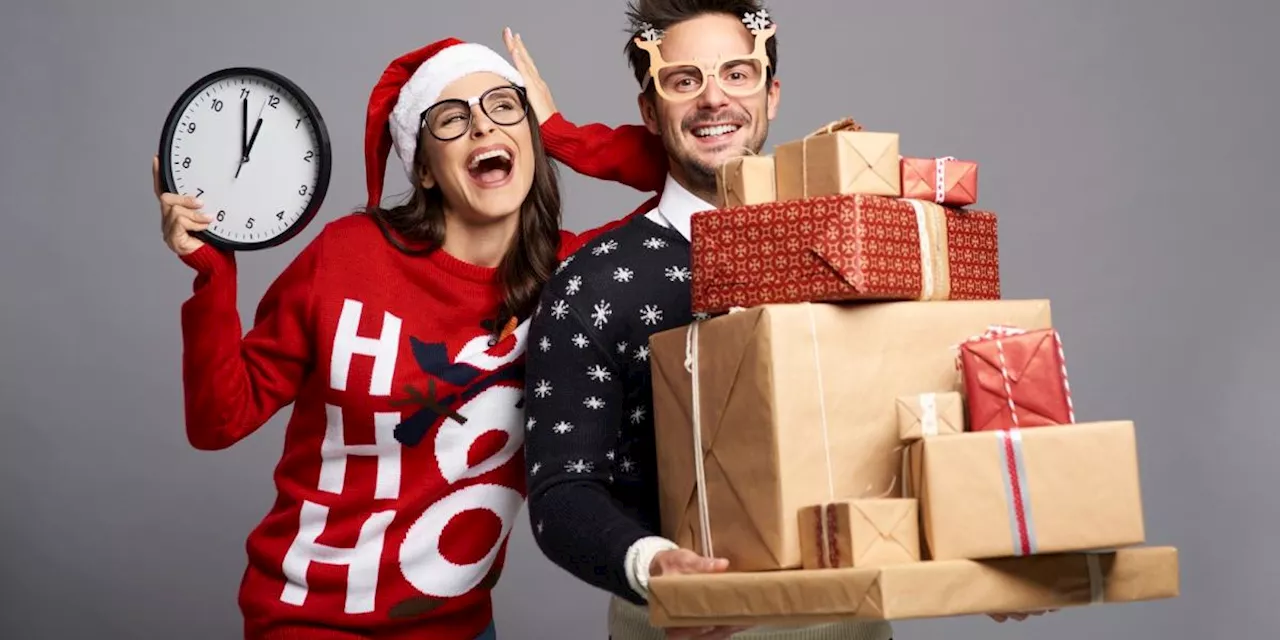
(843, 124)
(935, 268)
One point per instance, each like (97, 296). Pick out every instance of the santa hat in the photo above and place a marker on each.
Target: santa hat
(410, 84)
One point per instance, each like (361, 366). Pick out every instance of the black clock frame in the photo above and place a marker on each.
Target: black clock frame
(309, 110)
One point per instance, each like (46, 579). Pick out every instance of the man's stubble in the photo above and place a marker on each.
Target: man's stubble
(700, 175)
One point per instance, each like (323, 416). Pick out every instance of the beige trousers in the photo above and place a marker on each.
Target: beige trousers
(630, 622)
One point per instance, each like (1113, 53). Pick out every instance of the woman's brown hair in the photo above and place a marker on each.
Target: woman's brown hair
(533, 256)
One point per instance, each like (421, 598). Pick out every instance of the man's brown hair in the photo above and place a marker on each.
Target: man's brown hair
(663, 14)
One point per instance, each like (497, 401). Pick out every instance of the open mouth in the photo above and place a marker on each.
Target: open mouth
(715, 132)
(491, 166)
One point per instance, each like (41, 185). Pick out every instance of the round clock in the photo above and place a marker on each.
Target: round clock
(252, 146)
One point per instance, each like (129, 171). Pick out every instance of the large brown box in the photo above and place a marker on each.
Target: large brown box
(1050, 489)
(767, 376)
(941, 588)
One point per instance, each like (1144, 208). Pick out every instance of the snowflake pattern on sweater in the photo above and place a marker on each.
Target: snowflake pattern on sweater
(589, 444)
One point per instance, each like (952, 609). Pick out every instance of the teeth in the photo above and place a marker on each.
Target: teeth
(719, 130)
(493, 153)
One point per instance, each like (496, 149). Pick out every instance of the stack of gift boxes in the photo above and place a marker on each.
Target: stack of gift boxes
(862, 426)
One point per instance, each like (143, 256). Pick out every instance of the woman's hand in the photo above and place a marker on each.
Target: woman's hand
(539, 95)
(178, 215)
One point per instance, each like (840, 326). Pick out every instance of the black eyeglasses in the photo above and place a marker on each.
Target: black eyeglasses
(451, 119)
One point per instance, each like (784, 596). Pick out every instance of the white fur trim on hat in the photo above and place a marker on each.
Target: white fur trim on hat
(424, 88)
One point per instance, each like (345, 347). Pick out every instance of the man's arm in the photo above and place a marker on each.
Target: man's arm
(574, 404)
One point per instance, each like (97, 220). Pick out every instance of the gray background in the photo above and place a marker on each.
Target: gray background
(1128, 146)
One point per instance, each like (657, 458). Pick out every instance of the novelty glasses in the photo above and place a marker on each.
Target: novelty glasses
(451, 119)
(739, 76)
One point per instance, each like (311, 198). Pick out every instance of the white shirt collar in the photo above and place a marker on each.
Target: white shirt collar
(677, 206)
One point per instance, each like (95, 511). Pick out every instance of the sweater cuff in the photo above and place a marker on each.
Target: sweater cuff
(557, 136)
(640, 557)
(208, 260)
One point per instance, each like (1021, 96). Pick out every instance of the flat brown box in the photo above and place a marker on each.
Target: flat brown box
(1046, 489)
(860, 533)
(934, 589)
(930, 414)
(839, 163)
(746, 180)
(767, 375)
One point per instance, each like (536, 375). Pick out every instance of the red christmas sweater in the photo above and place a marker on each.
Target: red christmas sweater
(369, 537)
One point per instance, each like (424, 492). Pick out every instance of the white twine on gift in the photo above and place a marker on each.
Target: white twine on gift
(699, 469)
(822, 401)
(940, 178)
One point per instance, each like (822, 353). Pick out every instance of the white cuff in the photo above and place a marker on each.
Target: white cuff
(639, 557)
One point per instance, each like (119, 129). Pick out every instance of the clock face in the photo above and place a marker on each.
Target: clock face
(252, 146)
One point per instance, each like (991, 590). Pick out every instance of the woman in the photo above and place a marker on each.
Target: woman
(398, 335)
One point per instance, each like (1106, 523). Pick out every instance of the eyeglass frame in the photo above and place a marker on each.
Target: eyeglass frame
(471, 104)
(657, 64)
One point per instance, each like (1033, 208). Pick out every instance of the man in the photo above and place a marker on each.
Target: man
(593, 494)
(708, 93)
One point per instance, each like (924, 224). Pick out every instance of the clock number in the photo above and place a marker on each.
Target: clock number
(298, 123)
(310, 154)
(191, 127)
(248, 224)
(244, 93)
(222, 216)
(186, 163)
(280, 216)
(273, 101)
(217, 105)
(302, 191)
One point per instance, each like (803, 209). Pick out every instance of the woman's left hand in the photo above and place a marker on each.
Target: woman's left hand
(539, 95)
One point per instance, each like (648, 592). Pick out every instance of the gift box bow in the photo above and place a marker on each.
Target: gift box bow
(1014, 363)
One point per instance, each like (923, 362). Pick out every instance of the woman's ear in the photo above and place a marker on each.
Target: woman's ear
(428, 180)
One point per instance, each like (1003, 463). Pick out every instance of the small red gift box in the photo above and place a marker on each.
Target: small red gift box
(1015, 378)
(942, 180)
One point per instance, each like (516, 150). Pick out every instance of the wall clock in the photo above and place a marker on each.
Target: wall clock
(252, 145)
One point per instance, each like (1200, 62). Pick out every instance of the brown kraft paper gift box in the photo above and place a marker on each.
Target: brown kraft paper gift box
(839, 159)
(860, 533)
(925, 415)
(1023, 492)
(916, 590)
(767, 376)
(745, 180)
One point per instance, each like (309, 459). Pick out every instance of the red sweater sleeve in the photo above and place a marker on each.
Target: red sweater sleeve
(232, 383)
(628, 154)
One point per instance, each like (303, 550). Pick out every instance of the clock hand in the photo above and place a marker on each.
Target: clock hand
(244, 130)
(248, 147)
(256, 127)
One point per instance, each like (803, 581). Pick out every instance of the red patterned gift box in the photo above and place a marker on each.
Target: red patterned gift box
(1014, 378)
(944, 180)
(842, 248)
